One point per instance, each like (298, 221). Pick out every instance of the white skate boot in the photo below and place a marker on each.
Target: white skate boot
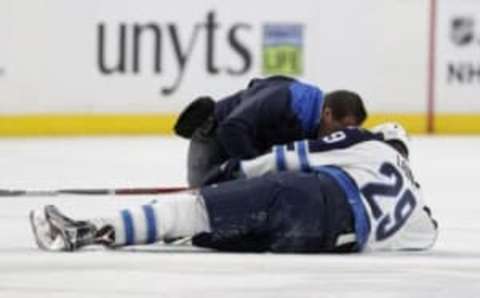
(54, 231)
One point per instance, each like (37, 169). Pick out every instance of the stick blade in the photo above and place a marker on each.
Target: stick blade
(11, 193)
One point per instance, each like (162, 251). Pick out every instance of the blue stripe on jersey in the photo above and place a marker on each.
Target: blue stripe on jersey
(128, 227)
(151, 223)
(280, 158)
(302, 156)
(362, 225)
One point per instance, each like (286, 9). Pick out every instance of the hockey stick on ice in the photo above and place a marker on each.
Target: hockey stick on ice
(93, 191)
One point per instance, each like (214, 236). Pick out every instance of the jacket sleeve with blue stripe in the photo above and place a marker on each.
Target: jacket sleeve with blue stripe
(271, 111)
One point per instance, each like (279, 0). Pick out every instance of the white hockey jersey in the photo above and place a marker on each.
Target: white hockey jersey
(395, 212)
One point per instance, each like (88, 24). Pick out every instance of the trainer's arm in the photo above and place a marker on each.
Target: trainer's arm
(240, 132)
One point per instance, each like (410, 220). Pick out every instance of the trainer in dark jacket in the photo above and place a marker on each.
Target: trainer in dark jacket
(270, 111)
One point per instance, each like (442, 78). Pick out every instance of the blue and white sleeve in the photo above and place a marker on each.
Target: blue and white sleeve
(291, 157)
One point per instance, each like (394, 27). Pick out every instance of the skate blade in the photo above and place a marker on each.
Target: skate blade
(42, 232)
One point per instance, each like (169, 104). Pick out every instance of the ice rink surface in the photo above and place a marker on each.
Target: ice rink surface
(447, 167)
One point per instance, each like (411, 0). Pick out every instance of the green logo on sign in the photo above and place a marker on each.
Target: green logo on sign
(283, 49)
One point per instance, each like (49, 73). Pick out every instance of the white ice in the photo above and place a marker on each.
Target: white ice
(447, 167)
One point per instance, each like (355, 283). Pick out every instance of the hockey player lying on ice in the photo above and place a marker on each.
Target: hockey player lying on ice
(351, 191)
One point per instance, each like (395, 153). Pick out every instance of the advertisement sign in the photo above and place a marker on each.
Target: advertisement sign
(283, 49)
(147, 57)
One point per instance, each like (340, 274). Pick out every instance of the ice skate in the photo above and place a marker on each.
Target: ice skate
(54, 231)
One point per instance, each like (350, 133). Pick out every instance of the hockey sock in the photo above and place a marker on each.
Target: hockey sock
(181, 215)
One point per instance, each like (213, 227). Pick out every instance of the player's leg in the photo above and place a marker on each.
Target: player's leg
(178, 216)
(284, 212)
(321, 222)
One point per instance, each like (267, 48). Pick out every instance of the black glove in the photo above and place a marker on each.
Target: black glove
(229, 170)
(194, 115)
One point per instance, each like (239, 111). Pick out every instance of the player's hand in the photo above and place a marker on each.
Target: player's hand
(229, 170)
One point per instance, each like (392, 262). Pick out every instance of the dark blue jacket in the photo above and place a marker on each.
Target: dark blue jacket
(270, 111)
